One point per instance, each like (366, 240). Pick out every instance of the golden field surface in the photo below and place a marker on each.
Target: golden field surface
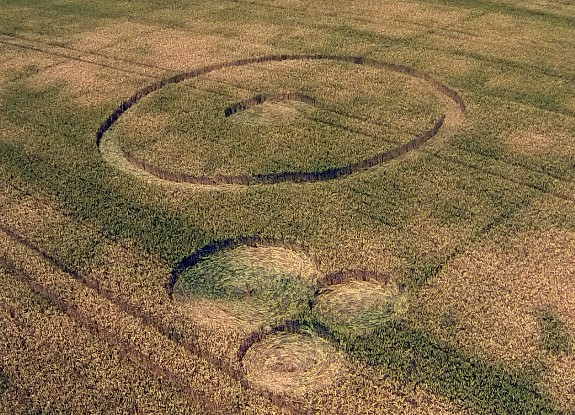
(258, 207)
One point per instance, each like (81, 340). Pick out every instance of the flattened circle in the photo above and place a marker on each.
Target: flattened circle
(261, 281)
(292, 363)
(359, 306)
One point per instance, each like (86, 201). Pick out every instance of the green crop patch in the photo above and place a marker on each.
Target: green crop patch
(263, 283)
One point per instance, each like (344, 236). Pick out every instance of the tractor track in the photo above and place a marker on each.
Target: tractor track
(493, 172)
(100, 330)
(84, 51)
(79, 55)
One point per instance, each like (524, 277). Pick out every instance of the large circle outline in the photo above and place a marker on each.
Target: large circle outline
(293, 176)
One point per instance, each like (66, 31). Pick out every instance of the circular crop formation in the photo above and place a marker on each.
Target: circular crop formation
(207, 140)
(257, 280)
(359, 304)
(292, 363)
(272, 282)
(264, 280)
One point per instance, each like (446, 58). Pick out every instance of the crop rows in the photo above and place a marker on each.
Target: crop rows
(400, 258)
(389, 344)
(79, 314)
(289, 326)
(79, 55)
(295, 177)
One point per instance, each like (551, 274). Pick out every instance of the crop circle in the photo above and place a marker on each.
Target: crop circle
(288, 172)
(277, 285)
(285, 363)
(359, 306)
(259, 282)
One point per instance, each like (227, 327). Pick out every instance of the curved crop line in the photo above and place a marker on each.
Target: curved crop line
(147, 319)
(345, 276)
(284, 176)
(260, 99)
(292, 326)
(293, 176)
(289, 327)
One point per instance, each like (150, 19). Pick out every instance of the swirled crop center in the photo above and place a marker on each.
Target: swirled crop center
(255, 279)
(275, 118)
(292, 363)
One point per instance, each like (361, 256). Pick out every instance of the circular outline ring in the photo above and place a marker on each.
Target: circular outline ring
(272, 178)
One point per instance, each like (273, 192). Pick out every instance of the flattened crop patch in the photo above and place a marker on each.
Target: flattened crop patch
(292, 363)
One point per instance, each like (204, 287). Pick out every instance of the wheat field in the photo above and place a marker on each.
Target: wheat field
(255, 207)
